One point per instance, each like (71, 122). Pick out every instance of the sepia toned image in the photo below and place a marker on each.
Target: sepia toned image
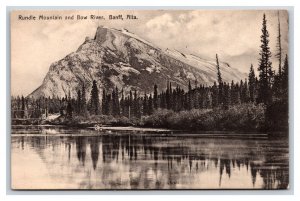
(149, 99)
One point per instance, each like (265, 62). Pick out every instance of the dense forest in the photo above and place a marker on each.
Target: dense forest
(258, 103)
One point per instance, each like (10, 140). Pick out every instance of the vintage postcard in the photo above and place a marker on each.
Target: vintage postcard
(149, 99)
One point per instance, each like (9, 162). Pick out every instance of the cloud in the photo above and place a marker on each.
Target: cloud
(234, 35)
(228, 33)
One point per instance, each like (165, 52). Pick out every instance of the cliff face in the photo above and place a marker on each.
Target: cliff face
(120, 58)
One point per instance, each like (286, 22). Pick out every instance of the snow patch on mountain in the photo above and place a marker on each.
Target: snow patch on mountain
(132, 35)
(120, 58)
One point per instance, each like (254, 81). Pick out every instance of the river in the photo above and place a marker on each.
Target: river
(65, 158)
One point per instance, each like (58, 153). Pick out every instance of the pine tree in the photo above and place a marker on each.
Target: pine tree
(117, 102)
(145, 105)
(246, 92)
(137, 106)
(95, 98)
(23, 107)
(279, 49)
(190, 86)
(79, 102)
(155, 98)
(226, 96)
(150, 105)
(131, 111)
(115, 105)
(109, 104)
(171, 101)
(126, 107)
(134, 104)
(104, 103)
(238, 93)
(232, 93)
(220, 82)
(168, 96)
(69, 109)
(163, 103)
(285, 78)
(189, 97)
(265, 67)
(241, 90)
(277, 87)
(113, 102)
(218, 70)
(83, 100)
(215, 95)
(181, 99)
(252, 84)
(122, 104)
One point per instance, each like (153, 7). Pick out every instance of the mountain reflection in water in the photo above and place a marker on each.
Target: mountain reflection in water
(148, 162)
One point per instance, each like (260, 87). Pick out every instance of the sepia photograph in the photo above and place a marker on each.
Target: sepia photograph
(149, 99)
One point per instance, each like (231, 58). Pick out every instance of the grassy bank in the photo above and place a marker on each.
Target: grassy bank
(237, 118)
(246, 117)
(92, 120)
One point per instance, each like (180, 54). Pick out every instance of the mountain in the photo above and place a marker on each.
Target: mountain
(120, 58)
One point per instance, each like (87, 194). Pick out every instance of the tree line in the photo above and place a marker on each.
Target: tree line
(269, 88)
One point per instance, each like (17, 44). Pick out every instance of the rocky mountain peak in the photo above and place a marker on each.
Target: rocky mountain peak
(119, 58)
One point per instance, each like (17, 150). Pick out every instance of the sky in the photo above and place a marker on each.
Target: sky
(232, 34)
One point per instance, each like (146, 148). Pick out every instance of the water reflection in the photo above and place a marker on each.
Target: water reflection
(145, 162)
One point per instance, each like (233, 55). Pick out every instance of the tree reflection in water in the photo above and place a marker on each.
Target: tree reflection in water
(147, 162)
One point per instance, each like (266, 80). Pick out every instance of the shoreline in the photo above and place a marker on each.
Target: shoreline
(143, 131)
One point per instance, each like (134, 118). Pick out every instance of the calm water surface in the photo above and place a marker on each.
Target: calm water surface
(47, 158)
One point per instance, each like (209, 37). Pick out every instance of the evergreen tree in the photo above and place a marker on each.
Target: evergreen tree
(109, 104)
(279, 49)
(83, 100)
(95, 98)
(181, 98)
(265, 67)
(113, 102)
(232, 93)
(104, 102)
(79, 102)
(285, 78)
(131, 111)
(69, 109)
(189, 97)
(171, 101)
(117, 102)
(122, 104)
(126, 107)
(168, 96)
(277, 87)
(238, 93)
(246, 95)
(145, 105)
(135, 104)
(218, 70)
(226, 96)
(220, 82)
(241, 90)
(190, 86)
(235, 94)
(23, 107)
(155, 98)
(150, 105)
(137, 107)
(215, 94)
(252, 84)
(163, 103)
